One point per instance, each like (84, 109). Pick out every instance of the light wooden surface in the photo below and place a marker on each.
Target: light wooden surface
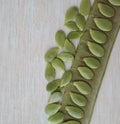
(27, 29)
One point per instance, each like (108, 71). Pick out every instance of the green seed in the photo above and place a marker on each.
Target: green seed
(96, 49)
(66, 57)
(106, 10)
(103, 24)
(92, 62)
(74, 35)
(56, 118)
(71, 14)
(115, 2)
(51, 54)
(75, 112)
(82, 87)
(69, 47)
(72, 25)
(85, 7)
(66, 78)
(71, 122)
(50, 72)
(86, 72)
(98, 36)
(55, 97)
(52, 86)
(51, 109)
(78, 99)
(58, 65)
(80, 21)
(60, 38)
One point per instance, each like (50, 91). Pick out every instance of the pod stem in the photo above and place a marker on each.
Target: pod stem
(83, 50)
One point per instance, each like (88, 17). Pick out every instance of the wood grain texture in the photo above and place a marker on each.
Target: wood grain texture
(27, 29)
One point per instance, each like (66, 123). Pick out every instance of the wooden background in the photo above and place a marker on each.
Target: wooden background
(27, 29)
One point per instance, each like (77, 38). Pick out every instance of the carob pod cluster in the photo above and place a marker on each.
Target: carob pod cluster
(73, 95)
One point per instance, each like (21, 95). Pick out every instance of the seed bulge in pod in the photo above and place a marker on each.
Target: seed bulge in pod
(51, 109)
(96, 49)
(56, 118)
(78, 99)
(98, 36)
(75, 112)
(50, 72)
(106, 10)
(82, 87)
(115, 2)
(103, 24)
(92, 62)
(86, 72)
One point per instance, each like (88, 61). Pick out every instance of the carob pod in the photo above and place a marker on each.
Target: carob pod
(82, 82)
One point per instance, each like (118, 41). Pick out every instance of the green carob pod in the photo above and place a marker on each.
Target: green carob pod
(77, 88)
(83, 52)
